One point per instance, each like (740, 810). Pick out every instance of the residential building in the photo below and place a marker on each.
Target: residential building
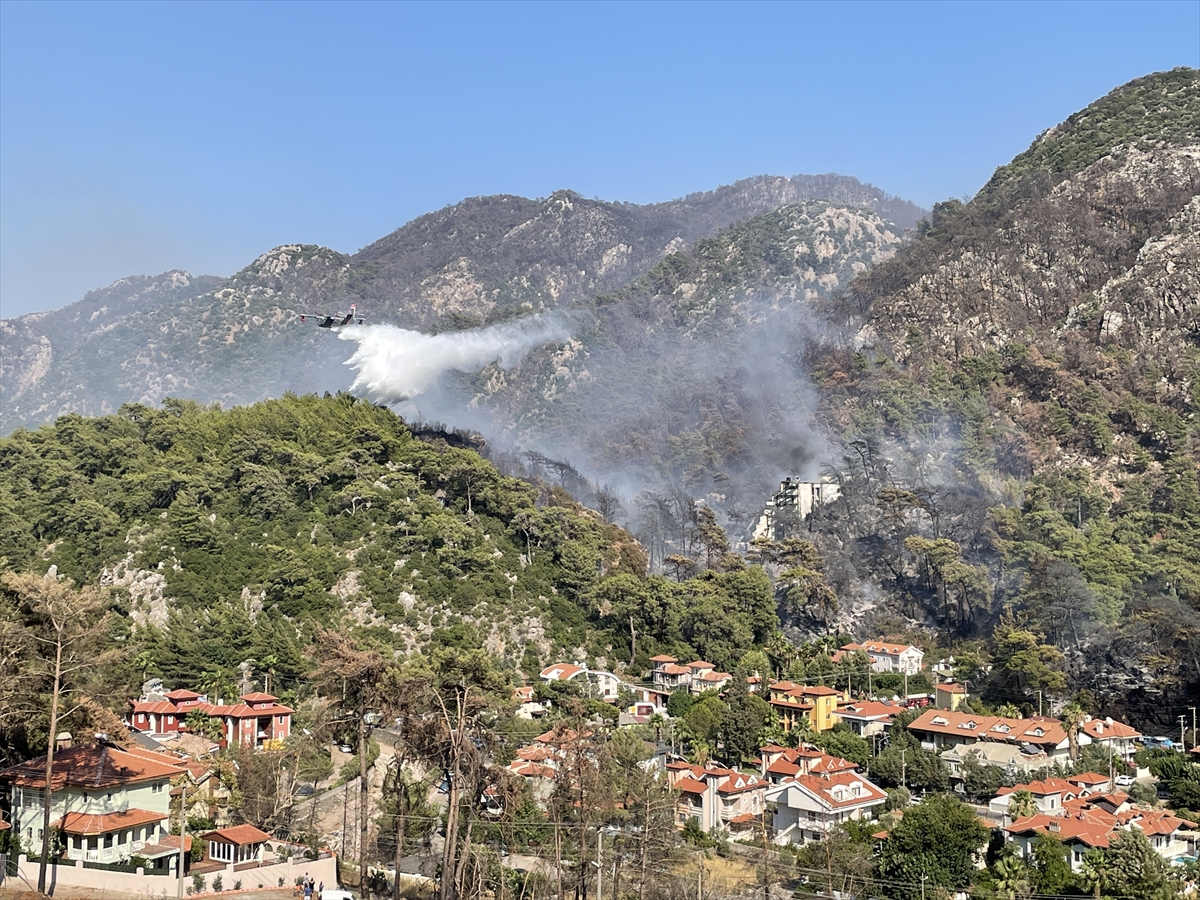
(236, 844)
(949, 695)
(781, 763)
(1095, 828)
(1116, 736)
(808, 807)
(595, 683)
(716, 797)
(705, 677)
(939, 730)
(257, 721)
(668, 675)
(1010, 757)
(528, 706)
(109, 803)
(869, 717)
(903, 658)
(791, 505)
(818, 704)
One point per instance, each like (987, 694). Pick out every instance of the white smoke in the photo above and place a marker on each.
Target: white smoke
(395, 363)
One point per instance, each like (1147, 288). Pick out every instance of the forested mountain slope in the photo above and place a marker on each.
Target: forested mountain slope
(482, 260)
(231, 536)
(1017, 391)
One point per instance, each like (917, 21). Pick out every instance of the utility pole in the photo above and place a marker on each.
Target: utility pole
(1193, 709)
(1182, 732)
(1039, 693)
(182, 835)
(922, 886)
(903, 768)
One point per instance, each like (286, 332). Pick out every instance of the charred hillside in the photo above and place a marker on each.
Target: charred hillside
(1016, 395)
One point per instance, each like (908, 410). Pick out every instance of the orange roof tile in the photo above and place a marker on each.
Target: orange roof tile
(237, 834)
(691, 786)
(89, 766)
(85, 823)
(561, 672)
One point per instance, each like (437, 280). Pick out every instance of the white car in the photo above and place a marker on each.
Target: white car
(1124, 780)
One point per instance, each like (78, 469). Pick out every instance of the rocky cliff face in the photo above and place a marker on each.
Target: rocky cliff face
(486, 259)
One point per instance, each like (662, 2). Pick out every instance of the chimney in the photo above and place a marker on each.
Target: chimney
(62, 740)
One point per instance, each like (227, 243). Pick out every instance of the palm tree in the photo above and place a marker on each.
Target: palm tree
(1022, 805)
(1095, 872)
(1073, 717)
(1012, 878)
(656, 722)
(1009, 711)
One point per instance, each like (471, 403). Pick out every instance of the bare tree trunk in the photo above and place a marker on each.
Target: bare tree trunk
(48, 793)
(558, 858)
(448, 851)
(463, 859)
(363, 816)
(401, 816)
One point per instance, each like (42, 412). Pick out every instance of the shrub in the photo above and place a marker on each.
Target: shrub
(218, 884)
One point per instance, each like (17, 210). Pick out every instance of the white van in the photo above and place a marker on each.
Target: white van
(337, 894)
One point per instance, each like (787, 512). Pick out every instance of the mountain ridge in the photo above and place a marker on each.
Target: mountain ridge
(145, 337)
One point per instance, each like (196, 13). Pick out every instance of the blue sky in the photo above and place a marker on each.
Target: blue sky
(135, 138)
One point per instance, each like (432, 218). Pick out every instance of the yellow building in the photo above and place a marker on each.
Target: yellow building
(817, 704)
(950, 696)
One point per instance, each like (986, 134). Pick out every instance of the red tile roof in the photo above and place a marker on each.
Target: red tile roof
(258, 697)
(89, 766)
(691, 786)
(181, 694)
(561, 672)
(1102, 730)
(836, 790)
(662, 657)
(237, 834)
(85, 824)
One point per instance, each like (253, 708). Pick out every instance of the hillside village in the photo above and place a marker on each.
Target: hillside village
(305, 645)
(1084, 782)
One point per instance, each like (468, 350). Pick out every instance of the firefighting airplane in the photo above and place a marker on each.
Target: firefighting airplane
(337, 320)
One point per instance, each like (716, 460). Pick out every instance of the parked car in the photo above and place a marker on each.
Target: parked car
(1125, 780)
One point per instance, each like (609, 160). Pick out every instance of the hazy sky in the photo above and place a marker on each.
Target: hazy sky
(136, 138)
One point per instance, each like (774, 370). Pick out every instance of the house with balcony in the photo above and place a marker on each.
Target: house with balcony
(257, 721)
(869, 717)
(716, 797)
(818, 704)
(668, 675)
(943, 729)
(885, 657)
(780, 764)
(108, 803)
(808, 807)
(1116, 736)
(1094, 828)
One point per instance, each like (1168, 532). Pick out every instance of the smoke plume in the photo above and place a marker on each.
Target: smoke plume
(394, 364)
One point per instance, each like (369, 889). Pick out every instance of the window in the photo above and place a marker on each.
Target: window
(281, 720)
(170, 720)
(155, 788)
(77, 842)
(108, 841)
(141, 717)
(121, 839)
